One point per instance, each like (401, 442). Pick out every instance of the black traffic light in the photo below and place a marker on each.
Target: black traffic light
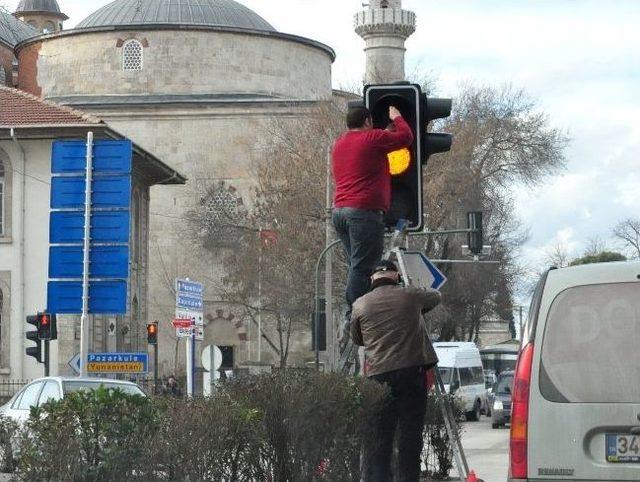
(47, 326)
(405, 164)
(433, 143)
(152, 333)
(475, 237)
(34, 351)
(319, 324)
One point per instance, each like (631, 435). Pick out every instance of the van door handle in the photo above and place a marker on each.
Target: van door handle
(635, 430)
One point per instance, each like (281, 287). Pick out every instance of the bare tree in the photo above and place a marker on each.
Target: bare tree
(628, 231)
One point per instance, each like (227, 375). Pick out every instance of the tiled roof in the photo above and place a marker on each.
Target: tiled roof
(19, 109)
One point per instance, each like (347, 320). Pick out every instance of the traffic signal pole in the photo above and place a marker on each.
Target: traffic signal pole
(46, 358)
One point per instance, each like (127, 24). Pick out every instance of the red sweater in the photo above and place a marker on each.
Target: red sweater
(361, 168)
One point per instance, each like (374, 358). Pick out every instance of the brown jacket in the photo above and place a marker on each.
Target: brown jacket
(387, 321)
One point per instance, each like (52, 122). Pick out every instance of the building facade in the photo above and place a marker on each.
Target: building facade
(196, 87)
(28, 127)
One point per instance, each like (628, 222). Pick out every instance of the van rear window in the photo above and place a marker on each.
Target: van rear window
(590, 348)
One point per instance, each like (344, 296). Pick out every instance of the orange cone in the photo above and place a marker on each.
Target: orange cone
(472, 477)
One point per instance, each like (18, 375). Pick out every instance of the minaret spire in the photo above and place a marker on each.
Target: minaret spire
(385, 27)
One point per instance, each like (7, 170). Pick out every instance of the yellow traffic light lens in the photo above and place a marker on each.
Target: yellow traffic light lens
(399, 161)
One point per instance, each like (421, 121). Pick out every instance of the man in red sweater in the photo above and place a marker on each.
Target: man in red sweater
(363, 191)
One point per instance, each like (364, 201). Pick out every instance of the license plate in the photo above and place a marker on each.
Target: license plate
(623, 448)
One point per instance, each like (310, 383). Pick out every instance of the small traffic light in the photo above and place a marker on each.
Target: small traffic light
(47, 326)
(434, 143)
(405, 164)
(152, 333)
(33, 335)
(475, 237)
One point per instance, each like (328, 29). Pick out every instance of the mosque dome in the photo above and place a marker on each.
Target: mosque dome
(13, 31)
(40, 6)
(212, 13)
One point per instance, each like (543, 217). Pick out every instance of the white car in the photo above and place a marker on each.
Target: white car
(54, 388)
(575, 411)
(460, 367)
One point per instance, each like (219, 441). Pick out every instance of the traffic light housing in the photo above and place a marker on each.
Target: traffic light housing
(433, 142)
(47, 326)
(33, 335)
(405, 165)
(476, 236)
(152, 333)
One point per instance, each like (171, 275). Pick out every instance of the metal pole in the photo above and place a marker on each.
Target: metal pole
(328, 276)
(84, 318)
(316, 316)
(155, 368)
(520, 309)
(193, 362)
(189, 347)
(260, 298)
(46, 358)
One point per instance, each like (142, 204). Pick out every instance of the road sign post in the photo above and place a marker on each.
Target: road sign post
(89, 231)
(190, 305)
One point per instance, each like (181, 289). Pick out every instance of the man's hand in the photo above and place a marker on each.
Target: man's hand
(394, 113)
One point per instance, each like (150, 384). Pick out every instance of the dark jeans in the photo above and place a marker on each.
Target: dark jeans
(362, 235)
(404, 411)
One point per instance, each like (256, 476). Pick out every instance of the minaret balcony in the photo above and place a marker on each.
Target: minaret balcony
(391, 21)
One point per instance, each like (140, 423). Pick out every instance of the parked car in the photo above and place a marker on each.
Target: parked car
(490, 380)
(460, 367)
(576, 396)
(41, 390)
(500, 400)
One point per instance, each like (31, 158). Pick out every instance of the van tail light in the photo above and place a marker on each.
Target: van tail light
(520, 414)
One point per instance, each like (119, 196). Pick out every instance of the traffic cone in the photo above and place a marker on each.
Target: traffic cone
(472, 477)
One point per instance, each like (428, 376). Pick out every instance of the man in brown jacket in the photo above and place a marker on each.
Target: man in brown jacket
(387, 321)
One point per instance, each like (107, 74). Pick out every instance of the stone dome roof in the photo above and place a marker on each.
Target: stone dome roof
(214, 13)
(44, 6)
(13, 31)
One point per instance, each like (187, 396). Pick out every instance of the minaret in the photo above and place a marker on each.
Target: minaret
(43, 15)
(385, 27)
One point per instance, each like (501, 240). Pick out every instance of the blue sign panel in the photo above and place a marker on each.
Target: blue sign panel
(190, 288)
(67, 227)
(439, 279)
(104, 262)
(107, 192)
(189, 302)
(110, 157)
(117, 362)
(105, 297)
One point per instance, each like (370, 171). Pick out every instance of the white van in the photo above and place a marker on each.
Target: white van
(460, 367)
(576, 399)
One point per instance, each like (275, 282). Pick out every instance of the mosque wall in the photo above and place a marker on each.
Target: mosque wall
(177, 62)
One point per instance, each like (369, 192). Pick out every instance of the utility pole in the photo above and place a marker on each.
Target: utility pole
(328, 276)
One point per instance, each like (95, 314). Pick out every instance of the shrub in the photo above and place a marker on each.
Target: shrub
(438, 452)
(8, 435)
(98, 435)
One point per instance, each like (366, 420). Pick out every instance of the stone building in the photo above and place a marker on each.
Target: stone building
(43, 15)
(195, 85)
(12, 31)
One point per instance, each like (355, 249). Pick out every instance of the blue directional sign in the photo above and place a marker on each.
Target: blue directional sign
(105, 297)
(104, 262)
(110, 221)
(439, 279)
(108, 192)
(67, 227)
(110, 157)
(189, 302)
(117, 362)
(190, 288)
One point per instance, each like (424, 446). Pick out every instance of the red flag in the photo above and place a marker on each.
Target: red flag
(268, 237)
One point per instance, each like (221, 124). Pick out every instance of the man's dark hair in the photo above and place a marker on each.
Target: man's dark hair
(356, 117)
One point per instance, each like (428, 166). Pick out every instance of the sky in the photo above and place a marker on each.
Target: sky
(579, 58)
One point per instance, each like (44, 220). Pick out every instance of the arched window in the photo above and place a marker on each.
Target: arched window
(2, 198)
(132, 55)
(34, 24)
(220, 216)
(49, 27)
(3, 76)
